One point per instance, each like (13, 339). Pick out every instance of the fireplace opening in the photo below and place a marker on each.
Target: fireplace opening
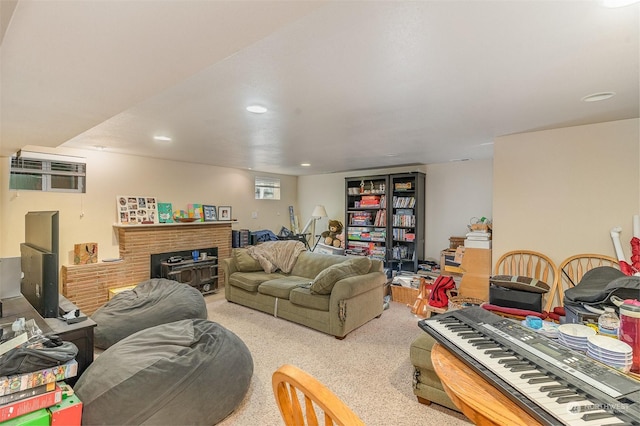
(180, 266)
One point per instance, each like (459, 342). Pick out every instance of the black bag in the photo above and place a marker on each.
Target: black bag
(598, 285)
(22, 360)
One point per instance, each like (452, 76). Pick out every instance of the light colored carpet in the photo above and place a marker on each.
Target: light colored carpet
(369, 370)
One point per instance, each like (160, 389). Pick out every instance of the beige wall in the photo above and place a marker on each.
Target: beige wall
(557, 191)
(561, 191)
(456, 193)
(90, 217)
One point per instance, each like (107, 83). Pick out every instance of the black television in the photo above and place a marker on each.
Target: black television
(39, 262)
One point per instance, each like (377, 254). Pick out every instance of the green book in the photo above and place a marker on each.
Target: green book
(165, 213)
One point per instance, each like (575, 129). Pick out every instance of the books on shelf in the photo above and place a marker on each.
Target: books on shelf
(403, 235)
(401, 252)
(404, 202)
(404, 217)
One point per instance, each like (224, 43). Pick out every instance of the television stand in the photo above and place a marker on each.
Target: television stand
(79, 333)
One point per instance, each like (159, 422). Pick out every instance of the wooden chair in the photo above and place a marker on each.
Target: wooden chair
(530, 264)
(573, 268)
(289, 380)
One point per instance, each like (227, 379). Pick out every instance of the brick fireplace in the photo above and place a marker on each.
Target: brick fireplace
(87, 286)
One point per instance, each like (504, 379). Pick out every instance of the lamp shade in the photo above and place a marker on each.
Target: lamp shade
(319, 211)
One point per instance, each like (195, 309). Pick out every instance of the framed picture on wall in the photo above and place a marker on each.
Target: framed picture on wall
(224, 213)
(210, 214)
(136, 210)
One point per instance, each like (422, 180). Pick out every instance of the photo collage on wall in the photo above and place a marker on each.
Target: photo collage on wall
(136, 210)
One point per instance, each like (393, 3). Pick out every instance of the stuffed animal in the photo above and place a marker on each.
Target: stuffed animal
(331, 236)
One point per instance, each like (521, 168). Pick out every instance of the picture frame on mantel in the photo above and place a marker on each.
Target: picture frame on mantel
(210, 214)
(224, 213)
(137, 210)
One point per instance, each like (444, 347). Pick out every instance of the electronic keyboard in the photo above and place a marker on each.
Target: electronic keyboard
(551, 382)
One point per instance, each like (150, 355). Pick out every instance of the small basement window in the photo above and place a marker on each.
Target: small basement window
(267, 188)
(32, 174)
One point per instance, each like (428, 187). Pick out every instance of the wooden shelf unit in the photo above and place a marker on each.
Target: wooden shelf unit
(384, 218)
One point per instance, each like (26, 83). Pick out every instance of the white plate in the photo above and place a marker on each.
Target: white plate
(572, 345)
(609, 358)
(576, 340)
(610, 344)
(576, 330)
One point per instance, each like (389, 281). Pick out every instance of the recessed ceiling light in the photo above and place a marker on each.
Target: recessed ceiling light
(618, 3)
(486, 143)
(256, 109)
(391, 155)
(305, 164)
(595, 97)
(100, 147)
(162, 138)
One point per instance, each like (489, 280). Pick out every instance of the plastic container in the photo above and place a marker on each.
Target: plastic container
(609, 323)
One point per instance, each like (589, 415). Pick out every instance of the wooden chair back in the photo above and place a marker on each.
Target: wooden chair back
(291, 384)
(573, 268)
(530, 264)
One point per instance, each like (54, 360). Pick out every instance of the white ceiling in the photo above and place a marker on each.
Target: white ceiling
(349, 85)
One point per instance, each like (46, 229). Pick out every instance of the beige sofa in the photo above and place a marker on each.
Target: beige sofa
(353, 286)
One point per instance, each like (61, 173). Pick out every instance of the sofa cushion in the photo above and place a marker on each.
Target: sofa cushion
(281, 287)
(244, 261)
(302, 296)
(325, 280)
(310, 264)
(250, 281)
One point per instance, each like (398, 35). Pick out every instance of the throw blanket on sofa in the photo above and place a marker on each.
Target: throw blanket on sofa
(274, 255)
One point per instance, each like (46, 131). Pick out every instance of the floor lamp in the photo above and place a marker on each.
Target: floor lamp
(318, 213)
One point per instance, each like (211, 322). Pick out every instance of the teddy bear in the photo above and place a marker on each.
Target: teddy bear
(331, 237)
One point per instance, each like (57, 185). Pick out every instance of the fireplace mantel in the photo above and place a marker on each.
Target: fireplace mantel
(87, 286)
(151, 225)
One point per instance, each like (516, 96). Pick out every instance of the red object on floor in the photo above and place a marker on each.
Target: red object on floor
(67, 413)
(438, 296)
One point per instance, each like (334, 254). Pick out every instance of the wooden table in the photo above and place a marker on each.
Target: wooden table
(478, 399)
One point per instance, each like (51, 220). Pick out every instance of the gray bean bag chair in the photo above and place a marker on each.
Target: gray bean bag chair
(152, 302)
(189, 372)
